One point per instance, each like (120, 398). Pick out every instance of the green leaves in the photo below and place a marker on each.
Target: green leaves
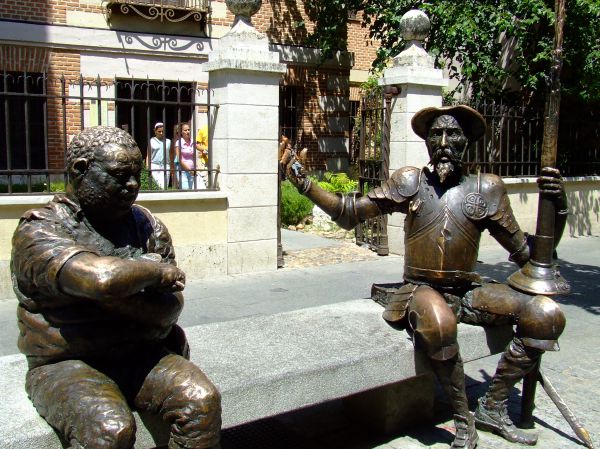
(498, 49)
(338, 183)
(330, 17)
(294, 206)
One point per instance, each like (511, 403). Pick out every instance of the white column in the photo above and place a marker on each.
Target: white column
(420, 85)
(244, 82)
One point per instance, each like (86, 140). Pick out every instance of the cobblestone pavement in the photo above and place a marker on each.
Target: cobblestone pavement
(574, 371)
(344, 250)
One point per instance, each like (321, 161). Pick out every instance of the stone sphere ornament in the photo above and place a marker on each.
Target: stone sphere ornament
(243, 8)
(414, 25)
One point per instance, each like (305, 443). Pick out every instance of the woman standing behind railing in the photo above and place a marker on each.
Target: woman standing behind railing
(186, 152)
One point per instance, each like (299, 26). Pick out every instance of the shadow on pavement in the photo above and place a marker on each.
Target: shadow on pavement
(584, 280)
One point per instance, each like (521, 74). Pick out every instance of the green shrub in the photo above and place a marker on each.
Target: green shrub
(338, 183)
(41, 187)
(147, 182)
(294, 206)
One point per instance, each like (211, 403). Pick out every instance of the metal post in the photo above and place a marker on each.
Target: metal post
(528, 396)
(539, 275)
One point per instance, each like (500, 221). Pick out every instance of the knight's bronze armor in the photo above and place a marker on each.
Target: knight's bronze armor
(443, 228)
(445, 216)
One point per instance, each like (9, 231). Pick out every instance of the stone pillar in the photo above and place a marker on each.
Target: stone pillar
(244, 81)
(420, 85)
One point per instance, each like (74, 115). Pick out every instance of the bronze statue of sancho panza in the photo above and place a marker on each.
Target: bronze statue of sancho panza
(446, 212)
(99, 296)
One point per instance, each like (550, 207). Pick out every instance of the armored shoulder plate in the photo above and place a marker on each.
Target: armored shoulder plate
(494, 190)
(403, 184)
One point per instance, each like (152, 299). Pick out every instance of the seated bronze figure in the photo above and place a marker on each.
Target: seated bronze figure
(99, 296)
(446, 212)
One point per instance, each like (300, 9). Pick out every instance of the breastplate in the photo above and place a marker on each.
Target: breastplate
(441, 242)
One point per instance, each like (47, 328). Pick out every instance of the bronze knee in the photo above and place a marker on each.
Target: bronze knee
(540, 324)
(180, 392)
(433, 323)
(83, 405)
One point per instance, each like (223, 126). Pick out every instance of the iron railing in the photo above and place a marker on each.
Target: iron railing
(579, 141)
(373, 164)
(163, 10)
(40, 113)
(512, 144)
(290, 113)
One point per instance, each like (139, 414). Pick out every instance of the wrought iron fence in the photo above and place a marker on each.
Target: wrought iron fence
(579, 141)
(373, 164)
(290, 113)
(40, 113)
(512, 144)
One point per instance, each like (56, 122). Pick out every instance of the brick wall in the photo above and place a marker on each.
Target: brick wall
(313, 120)
(359, 43)
(62, 63)
(56, 64)
(283, 21)
(52, 11)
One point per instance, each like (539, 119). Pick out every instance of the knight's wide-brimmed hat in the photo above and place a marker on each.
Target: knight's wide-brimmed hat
(471, 121)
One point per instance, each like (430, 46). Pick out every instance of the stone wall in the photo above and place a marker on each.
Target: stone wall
(197, 223)
(583, 194)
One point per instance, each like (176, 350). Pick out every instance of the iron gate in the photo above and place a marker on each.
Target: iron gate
(373, 162)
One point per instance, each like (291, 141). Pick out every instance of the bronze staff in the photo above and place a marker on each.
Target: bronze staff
(564, 410)
(539, 275)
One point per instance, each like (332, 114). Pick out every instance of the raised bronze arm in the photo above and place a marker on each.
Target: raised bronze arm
(346, 210)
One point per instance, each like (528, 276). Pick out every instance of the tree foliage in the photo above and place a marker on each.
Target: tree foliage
(497, 48)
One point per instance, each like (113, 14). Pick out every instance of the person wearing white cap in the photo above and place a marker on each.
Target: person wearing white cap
(159, 156)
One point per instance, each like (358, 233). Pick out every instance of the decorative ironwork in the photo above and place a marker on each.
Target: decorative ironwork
(512, 144)
(164, 42)
(373, 164)
(165, 10)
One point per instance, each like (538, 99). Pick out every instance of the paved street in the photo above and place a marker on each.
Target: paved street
(574, 371)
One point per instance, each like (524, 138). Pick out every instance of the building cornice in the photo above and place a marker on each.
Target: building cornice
(68, 37)
(101, 40)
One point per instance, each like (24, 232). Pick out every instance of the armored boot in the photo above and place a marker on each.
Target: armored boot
(493, 417)
(451, 376)
(491, 413)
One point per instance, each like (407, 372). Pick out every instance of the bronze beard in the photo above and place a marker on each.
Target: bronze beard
(447, 168)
